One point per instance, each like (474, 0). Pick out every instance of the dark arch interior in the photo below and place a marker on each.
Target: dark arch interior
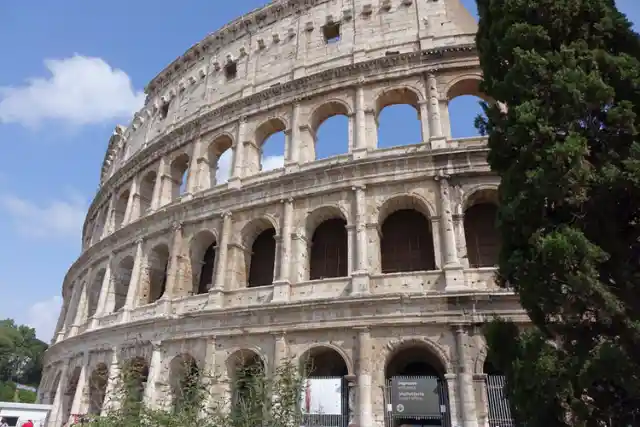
(414, 361)
(263, 256)
(490, 368)
(158, 266)
(329, 250)
(323, 362)
(248, 370)
(135, 375)
(98, 388)
(407, 242)
(483, 242)
(185, 377)
(206, 270)
(121, 282)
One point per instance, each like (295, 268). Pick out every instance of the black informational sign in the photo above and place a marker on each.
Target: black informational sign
(415, 397)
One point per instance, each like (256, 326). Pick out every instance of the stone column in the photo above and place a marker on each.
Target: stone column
(134, 283)
(157, 197)
(451, 264)
(282, 286)
(166, 183)
(437, 138)
(81, 312)
(112, 393)
(154, 386)
(132, 212)
(360, 277)
(175, 281)
(56, 415)
(60, 326)
(361, 121)
(209, 376)
(80, 403)
(365, 406)
(424, 120)
(105, 290)
(238, 153)
(452, 389)
(216, 293)
(292, 155)
(466, 395)
(109, 221)
(196, 168)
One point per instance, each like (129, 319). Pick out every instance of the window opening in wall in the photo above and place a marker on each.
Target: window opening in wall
(392, 52)
(330, 125)
(263, 252)
(398, 125)
(463, 111)
(331, 32)
(231, 70)
(164, 110)
(272, 152)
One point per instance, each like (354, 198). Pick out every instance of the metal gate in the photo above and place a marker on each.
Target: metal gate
(330, 420)
(499, 411)
(393, 420)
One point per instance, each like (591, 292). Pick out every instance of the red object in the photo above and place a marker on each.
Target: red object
(29, 423)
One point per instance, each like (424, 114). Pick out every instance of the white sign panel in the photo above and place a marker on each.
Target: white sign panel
(322, 396)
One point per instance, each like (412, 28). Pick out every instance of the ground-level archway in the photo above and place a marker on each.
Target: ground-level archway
(416, 391)
(98, 388)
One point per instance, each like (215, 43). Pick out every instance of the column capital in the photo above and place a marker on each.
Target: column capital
(156, 345)
(360, 187)
(226, 214)
(139, 240)
(442, 176)
(286, 200)
(177, 225)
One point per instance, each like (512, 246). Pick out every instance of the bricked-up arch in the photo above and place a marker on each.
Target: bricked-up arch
(120, 209)
(184, 376)
(157, 266)
(269, 149)
(203, 259)
(263, 255)
(481, 235)
(147, 185)
(121, 280)
(333, 117)
(322, 361)
(394, 109)
(179, 173)
(407, 240)
(329, 250)
(98, 388)
(246, 370)
(94, 292)
(134, 375)
(217, 173)
(69, 393)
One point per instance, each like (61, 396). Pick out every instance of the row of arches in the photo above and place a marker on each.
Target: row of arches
(396, 117)
(185, 377)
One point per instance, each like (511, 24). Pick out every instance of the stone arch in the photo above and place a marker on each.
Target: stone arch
(268, 127)
(478, 362)
(268, 150)
(53, 389)
(333, 114)
(98, 388)
(93, 291)
(135, 373)
(395, 107)
(184, 376)
(485, 192)
(179, 168)
(120, 208)
(70, 392)
(157, 266)
(396, 95)
(327, 242)
(243, 366)
(202, 253)
(465, 84)
(121, 279)
(219, 152)
(147, 189)
(259, 241)
(481, 237)
(438, 354)
(462, 97)
(326, 347)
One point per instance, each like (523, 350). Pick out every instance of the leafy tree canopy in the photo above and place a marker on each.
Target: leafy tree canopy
(21, 353)
(563, 137)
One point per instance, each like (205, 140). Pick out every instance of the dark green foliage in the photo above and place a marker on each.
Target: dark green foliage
(7, 391)
(21, 354)
(568, 154)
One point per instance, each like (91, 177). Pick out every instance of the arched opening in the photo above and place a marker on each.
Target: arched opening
(263, 257)
(94, 293)
(122, 278)
(406, 242)
(481, 235)
(134, 376)
(414, 370)
(53, 391)
(398, 118)
(219, 155)
(463, 106)
(120, 209)
(330, 129)
(326, 393)
(98, 388)
(249, 391)
(270, 137)
(329, 250)
(179, 175)
(147, 185)
(203, 260)
(98, 231)
(184, 382)
(69, 394)
(498, 404)
(157, 264)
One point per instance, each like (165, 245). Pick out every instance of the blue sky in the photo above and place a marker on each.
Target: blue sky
(60, 59)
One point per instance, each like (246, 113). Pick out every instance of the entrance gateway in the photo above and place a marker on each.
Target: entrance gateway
(416, 401)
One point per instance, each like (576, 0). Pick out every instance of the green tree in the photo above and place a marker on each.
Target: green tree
(567, 150)
(21, 353)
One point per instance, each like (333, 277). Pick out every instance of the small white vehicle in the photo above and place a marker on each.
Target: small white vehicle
(17, 414)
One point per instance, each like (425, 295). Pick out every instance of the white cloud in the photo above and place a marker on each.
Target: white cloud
(43, 317)
(56, 218)
(224, 165)
(80, 90)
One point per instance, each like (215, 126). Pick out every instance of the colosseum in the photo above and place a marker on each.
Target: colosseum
(377, 263)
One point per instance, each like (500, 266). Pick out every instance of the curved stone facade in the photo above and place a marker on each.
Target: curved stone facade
(379, 258)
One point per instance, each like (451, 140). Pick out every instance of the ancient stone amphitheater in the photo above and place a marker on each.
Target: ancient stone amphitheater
(377, 264)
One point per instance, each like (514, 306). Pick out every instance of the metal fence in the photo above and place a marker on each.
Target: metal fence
(499, 411)
(330, 420)
(393, 420)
